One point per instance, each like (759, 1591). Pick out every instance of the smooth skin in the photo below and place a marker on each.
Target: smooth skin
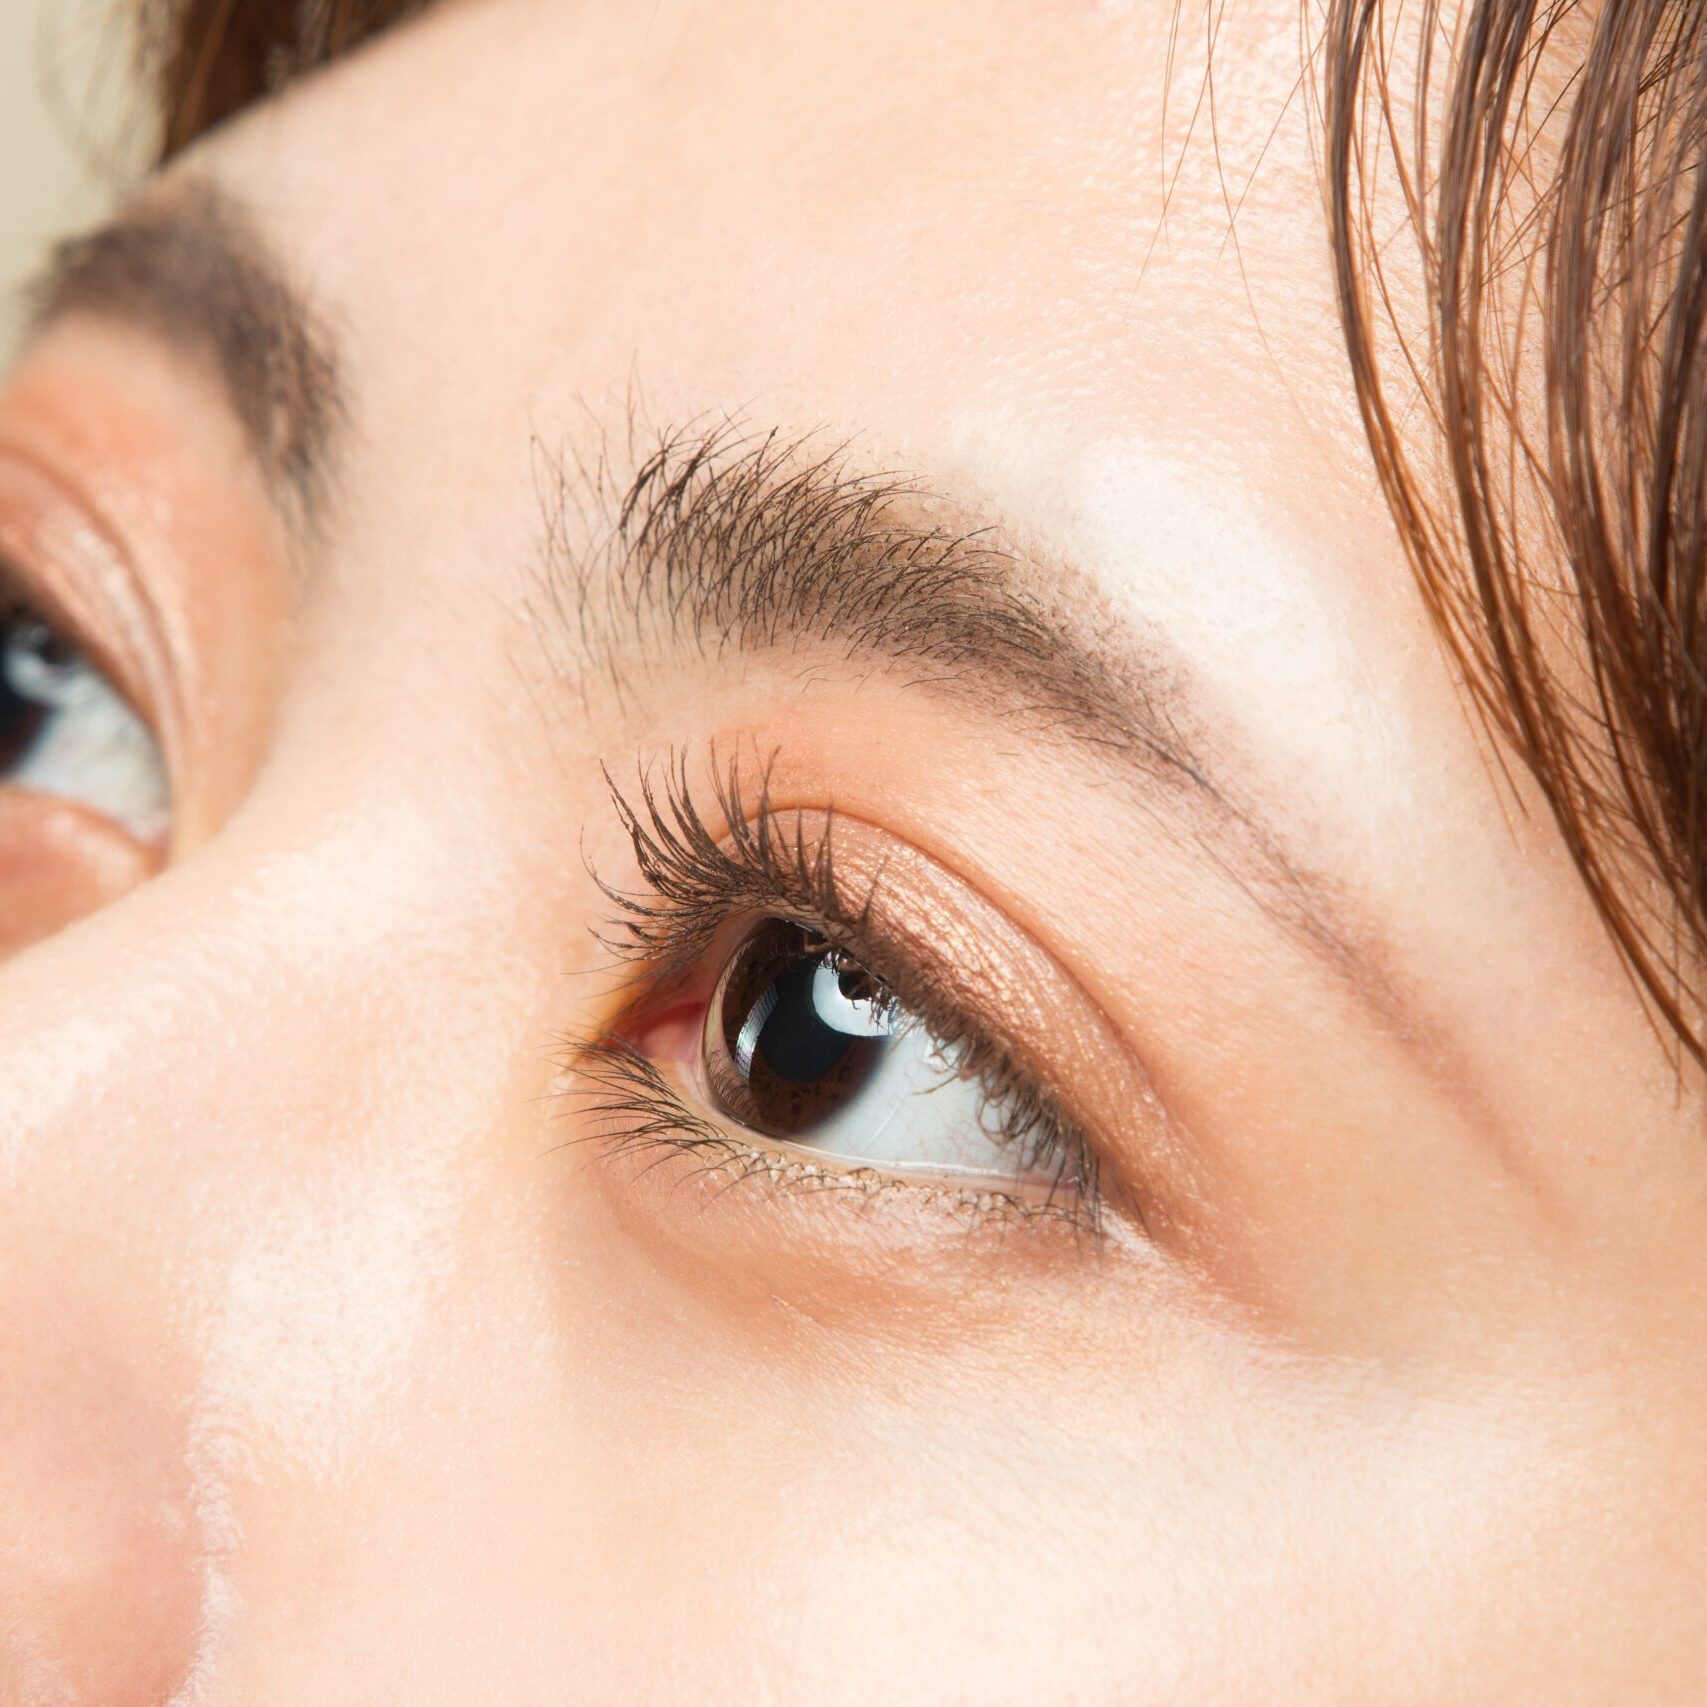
(337, 1367)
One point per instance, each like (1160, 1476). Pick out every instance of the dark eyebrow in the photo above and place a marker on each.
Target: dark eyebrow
(191, 267)
(725, 544)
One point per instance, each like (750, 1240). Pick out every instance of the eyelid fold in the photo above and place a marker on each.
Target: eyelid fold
(59, 562)
(86, 802)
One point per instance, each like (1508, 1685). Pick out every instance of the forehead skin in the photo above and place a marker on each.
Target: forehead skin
(437, 1419)
(999, 256)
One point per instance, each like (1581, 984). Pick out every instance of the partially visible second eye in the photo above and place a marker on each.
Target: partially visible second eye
(66, 731)
(804, 1044)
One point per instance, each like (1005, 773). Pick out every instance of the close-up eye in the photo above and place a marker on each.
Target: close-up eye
(66, 731)
(813, 998)
(803, 1043)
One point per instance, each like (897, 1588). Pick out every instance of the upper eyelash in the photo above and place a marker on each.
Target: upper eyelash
(695, 882)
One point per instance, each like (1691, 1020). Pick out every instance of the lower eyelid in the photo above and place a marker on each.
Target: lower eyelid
(718, 1163)
(642, 1117)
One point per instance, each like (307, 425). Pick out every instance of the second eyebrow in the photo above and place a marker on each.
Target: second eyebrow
(189, 265)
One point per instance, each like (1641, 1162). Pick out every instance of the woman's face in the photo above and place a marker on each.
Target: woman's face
(1179, 1204)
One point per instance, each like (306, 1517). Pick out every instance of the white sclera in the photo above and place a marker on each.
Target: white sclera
(916, 1110)
(91, 747)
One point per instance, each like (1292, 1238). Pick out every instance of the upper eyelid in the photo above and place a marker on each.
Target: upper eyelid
(650, 936)
(677, 851)
(125, 489)
(727, 542)
(67, 544)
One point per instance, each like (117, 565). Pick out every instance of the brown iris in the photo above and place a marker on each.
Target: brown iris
(795, 1029)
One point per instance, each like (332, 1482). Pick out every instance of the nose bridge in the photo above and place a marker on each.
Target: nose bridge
(101, 1560)
(230, 1151)
(277, 1001)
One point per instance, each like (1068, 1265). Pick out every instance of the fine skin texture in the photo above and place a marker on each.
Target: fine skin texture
(346, 1360)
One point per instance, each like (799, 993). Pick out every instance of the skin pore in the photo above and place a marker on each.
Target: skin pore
(871, 407)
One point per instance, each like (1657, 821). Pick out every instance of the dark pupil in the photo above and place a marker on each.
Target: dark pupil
(25, 640)
(793, 1041)
(785, 1067)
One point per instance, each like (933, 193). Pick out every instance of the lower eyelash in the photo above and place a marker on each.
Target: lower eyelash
(636, 1113)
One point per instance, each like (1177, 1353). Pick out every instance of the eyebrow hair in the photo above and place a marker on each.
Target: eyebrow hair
(723, 543)
(192, 268)
(728, 544)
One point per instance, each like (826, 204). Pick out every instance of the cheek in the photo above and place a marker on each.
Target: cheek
(102, 1561)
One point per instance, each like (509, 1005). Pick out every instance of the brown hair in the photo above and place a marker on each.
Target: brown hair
(1559, 209)
(208, 59)
(1555, 509)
